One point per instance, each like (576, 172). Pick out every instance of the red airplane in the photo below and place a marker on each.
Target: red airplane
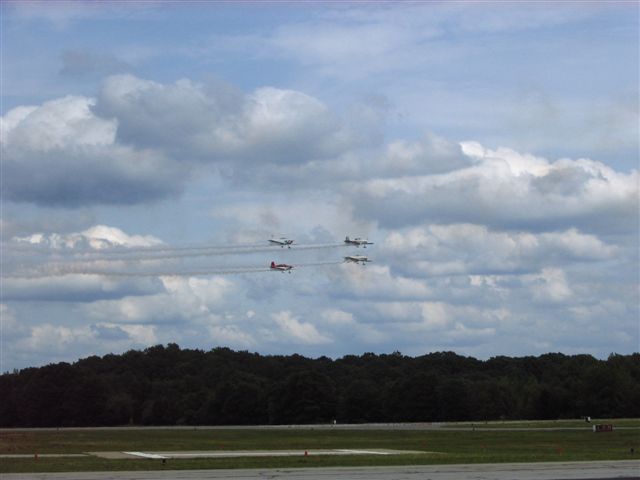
(283, 267)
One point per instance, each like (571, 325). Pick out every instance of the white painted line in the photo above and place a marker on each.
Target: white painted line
(233, 454)
(262, 453)
(145, 455)
(365, 452)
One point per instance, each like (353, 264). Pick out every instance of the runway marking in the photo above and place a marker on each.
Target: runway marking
(162, 455)
(145, 455)
(365, 452)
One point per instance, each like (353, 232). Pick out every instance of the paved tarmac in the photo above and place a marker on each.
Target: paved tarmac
(605, 470)
(330, 426)
(253, 453)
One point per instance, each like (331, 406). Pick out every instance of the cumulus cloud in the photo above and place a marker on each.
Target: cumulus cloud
(345, 326)
(57, 266)
(75, 288)
(140, 140)
(10, 326)
(47, 342)
(375, 281)
(65, 122)
(550, 285)
(183, 300)
(471, 249)
(506, 189)
(97, 237)
(436, 325)
(61, 153)
(217, 122)
(430, 155)
(298, 331)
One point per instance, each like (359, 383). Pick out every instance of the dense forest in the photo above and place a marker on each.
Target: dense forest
(166, 385)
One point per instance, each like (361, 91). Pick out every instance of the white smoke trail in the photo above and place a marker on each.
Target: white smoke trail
(115, 249)
(64, 270)
(206, 252)
(166, 253)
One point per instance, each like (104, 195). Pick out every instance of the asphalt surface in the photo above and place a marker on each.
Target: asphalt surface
(606, 470)
(252, 453)
(346, 426)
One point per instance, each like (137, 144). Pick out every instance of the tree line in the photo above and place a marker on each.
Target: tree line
(167, 385)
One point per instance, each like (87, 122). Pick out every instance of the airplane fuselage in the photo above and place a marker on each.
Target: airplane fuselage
(282, 267)
(283, 242)
(357, 242)
(357, 259)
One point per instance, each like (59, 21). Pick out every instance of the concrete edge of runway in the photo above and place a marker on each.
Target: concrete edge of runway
(589, 470)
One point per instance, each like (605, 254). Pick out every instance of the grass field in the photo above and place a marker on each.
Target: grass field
(453, 446)
(617, 422)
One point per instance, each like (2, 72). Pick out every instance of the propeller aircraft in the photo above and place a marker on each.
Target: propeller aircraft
(283, 267)
(357, 242)
(361, 259)
(283, 242)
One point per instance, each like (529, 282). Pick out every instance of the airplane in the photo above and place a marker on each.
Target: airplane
(283, 267)
(281, 241)
(357, 242)
(357, 259)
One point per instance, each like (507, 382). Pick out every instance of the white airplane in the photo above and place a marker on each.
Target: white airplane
(357, 259)
(357, 241)
(283, 267)
(283, 242)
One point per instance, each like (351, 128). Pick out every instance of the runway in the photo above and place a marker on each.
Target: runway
(602, 470)
(253, 453)
(503, 427)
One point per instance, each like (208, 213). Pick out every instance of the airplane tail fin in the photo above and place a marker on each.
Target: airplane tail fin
(346, 239)
(273, 264)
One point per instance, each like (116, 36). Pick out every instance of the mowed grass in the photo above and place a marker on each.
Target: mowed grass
(452, 446)
(616, 422)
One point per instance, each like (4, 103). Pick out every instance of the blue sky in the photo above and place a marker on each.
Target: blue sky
(490, 150)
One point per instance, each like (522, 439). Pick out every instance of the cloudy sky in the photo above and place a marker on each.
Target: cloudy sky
(150, 150)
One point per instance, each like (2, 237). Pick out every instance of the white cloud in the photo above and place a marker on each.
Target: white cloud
(185, 300)
(345, 327)
(201, 294)
(231, 335)
(96, 237)
(506, 189)
(141, 140)
(298, 331)
(61, 153)
(550, 285)
(100, 235)
(468, 249)
(434, 315)
(375, 281)
(338, 317)
(63, 267)
(56, 338)
(74, 287)
(141, 334)
(10, 327)
(62, 123)
(218, 123)
(47, 342)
